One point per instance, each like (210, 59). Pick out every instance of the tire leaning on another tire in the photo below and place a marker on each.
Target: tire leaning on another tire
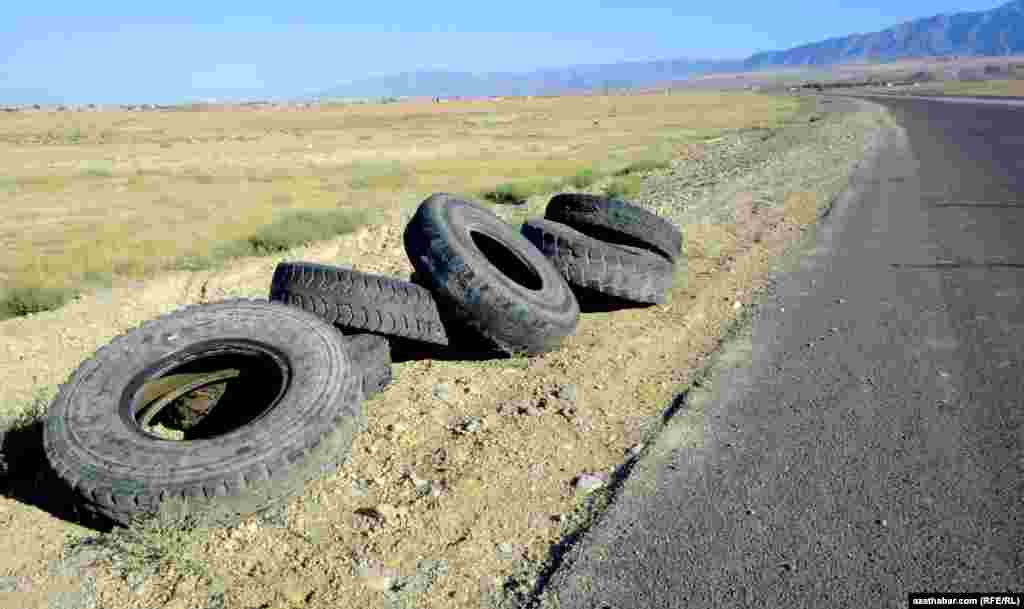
(359, 301)
(616, 221)
(625, 272)
(297, 409)
(488, 277)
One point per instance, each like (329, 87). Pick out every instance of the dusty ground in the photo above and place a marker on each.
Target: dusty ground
(465, 478)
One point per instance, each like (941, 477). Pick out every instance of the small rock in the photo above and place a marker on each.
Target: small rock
(588, 483)
(567, 392)
(360, 488)
(737, 305)
(471, 425)
(529, 410)
(442, 391)
(505, 550)
(840, 300)
(636, 449)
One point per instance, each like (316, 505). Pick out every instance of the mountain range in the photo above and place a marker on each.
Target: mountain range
(999, 31)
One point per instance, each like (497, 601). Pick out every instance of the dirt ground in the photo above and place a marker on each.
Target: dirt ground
(469, 473)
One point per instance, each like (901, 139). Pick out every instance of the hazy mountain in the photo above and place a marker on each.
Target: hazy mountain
(996, 32)
(583, 77)
(999, 31)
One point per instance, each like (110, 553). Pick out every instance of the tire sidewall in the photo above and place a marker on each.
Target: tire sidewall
(445, 256)
(89, 436)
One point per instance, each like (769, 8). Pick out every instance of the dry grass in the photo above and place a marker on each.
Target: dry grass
(127, 194)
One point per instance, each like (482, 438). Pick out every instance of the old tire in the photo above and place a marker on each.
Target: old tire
(616, 221)
(625, 272)
(359, 301)
(291, 415)
(488, 277)
(372, 354)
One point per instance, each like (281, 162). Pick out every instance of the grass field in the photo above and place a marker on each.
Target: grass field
(93, 195)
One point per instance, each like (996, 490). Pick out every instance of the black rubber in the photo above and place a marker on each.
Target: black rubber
(616, 221)
(488, 277)
(359, 301)
(622, 271)
(372, 353)
(291, 417)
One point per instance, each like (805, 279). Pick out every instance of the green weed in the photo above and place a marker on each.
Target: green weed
(24, 300)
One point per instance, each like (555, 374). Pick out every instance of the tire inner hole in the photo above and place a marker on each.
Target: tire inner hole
(209, 396)
(507, 261)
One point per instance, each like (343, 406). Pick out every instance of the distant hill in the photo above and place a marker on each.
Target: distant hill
(999, 31)
(996, 32)
(573, 78)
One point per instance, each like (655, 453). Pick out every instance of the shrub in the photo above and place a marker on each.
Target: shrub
(643, 165)
(520, 191)
(290, 230)
(621, 187)
(24, 300)
(583, 178)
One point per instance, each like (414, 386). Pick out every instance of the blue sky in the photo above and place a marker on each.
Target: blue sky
(134, 52)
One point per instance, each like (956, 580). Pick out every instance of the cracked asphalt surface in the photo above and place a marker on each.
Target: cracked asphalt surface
(864, 440)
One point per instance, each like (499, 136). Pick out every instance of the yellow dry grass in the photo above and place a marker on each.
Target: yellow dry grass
(127, 193)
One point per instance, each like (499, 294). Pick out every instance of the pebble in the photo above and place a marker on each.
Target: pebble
(529, 410)
(567, 392)
(636, 449)
(360, 488)
(505, 550)
(471, 425)
(442, 391)
(588, 483)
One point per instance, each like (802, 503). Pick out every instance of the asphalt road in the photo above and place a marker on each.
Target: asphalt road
(864, 441)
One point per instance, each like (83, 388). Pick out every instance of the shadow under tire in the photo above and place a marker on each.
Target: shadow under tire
(489, 278)
(616, 221)
(622, 271)
(372, 354)
(359, 301)
(290, 415)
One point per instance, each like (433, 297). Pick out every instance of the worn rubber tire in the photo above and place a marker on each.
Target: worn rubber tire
(359, 301)
(524, 307)
(622, 271)
(121, 472)
(372, 354)
(616, 221)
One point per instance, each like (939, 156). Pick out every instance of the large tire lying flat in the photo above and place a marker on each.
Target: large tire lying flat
(290, 414)
(372, 354)
(622, 271)
(359, 301)
(489, 277)
(616, 221)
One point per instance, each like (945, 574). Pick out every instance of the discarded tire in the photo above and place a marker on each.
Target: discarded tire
(616, 221)
(289, 411)
(489, 277)
(359, 301)
(622, 271)
(372, 355)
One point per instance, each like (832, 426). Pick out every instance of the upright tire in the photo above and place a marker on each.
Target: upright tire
(625, 272)
(616, 221)
(488, 277)
(289, 412)
(359, 302)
